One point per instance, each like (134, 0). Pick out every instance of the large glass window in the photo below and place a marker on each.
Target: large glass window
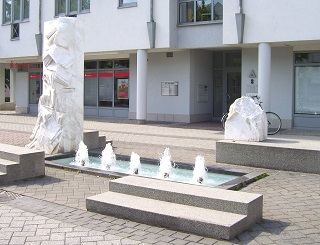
(200, 10)
(307, 83)
(71, 7)
(15, 10)
(90, 89)
(107, 83)
(105, 88)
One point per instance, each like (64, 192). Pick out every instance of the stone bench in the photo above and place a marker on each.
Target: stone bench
(17, 163)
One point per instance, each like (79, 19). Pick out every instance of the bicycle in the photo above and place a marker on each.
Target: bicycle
(274, 121)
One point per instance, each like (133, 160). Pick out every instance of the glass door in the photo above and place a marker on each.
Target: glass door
(233, 88)
(226, 81)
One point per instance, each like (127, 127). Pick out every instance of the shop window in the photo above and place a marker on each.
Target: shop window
(90, 89)
(107, 83)
(191, 11)
(105, 88)
(105, 64)
(35, 88)
(127, 3)
(90, 65)
(121, 89)
(71, 7)
(307, 83)
(15, 11)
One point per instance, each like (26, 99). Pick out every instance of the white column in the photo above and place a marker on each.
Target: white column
(264, 74)
(142, 71)
(2, 85)
(13, 85)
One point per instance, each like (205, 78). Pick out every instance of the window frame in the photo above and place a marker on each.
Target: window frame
(195, 22)
(15, 31)
(67, 11)
(134, 3)
(22, 7)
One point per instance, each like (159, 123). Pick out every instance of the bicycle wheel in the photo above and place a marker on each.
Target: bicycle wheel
(224, 119)
(274, 123)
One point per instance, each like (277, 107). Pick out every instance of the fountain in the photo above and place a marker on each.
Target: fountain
(166, 164)
(108, 157)
(163, 169)
(82, 156)
(199, 171)
(134, 163)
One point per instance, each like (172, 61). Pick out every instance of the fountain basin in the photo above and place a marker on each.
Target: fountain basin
(217, 177)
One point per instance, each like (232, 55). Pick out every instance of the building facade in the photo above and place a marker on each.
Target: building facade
(174, 60)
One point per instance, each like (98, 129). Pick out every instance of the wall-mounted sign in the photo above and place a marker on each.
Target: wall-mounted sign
(169, 88)
(202, 93)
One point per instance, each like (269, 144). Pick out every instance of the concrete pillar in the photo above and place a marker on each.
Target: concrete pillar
(264, 74)
(142, 71)
(2, 85)
(13, 85)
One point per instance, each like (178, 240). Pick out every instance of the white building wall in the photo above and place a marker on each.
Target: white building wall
(272, 21)
(281, 80)
(201, 75)
(164, 69)
(200, 36)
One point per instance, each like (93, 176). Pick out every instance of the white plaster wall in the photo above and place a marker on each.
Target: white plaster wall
(201, 63)
(200, 36)
(109, 28)
(163, 69)
(273, 20)
(22, 92)
(282, 83)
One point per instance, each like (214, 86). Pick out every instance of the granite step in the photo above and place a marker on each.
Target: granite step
(192, 195)
(200, 221)
(7, 166)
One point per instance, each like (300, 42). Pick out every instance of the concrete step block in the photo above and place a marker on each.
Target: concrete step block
(249, 204)
(91, 139)
(257, 154)
(8, 166)
(102, 141)
(31, 163)
(205, 222)
(3, 177)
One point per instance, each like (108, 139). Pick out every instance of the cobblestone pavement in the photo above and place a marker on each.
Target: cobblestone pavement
(51, 210)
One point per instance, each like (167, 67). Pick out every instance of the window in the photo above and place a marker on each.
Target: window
(71, 7)
(106, 83)
(15, 11)
(307, 83)
(15, 31)
(191, 11)
(127, 3)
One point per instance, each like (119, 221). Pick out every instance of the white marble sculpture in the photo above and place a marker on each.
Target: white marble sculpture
(246, 121)
(59, 127)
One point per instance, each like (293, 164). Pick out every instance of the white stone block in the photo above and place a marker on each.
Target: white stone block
(59, 127)
(246, 121)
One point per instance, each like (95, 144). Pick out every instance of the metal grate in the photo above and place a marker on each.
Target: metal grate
(6, 196)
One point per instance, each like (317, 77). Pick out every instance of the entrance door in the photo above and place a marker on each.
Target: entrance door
(226, 82)
(233, 88)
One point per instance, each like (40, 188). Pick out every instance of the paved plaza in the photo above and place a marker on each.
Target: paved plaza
(51, 210)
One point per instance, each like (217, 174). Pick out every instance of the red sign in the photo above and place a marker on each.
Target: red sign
(34, 76)
(121, 74)
(90, 75)
(21, 65)
(105, 74)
